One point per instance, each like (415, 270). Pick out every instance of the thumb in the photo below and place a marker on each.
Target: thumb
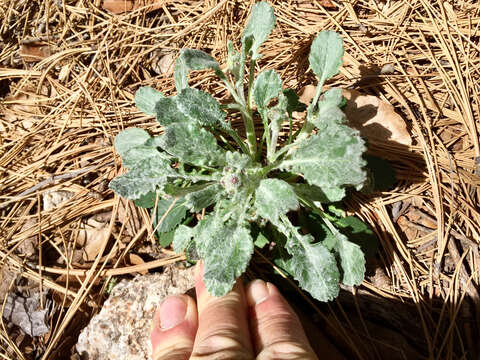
(174, 327)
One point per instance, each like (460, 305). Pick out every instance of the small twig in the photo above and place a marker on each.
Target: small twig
(51, 180)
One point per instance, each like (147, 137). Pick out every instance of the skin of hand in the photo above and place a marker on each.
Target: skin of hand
(255, 322)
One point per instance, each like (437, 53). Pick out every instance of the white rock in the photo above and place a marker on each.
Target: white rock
(121, 330)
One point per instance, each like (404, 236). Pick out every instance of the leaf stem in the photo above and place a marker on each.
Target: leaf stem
(239, 141)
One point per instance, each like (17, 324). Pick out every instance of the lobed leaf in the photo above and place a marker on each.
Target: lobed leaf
(191, 144)
(352, 261)
(191, 59)
(198, 200)
(259, 26)
(146, 201)
(202, 108)
(146, 177)
(166, 221)
(226, 249)
(330, 159)
(313, 266)
(182, 237)
(326, 54)
(266, 86)
(168, 112)
(274, 198)
(133, 156)
(146, 99)
(359, 233)
(130, 138)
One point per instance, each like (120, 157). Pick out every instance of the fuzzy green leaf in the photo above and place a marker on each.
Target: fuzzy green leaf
(274, 198)
(198, 196)
(130, 138)
(359, 233)
(146, 99)
(328, 111)
(167, 221)
(168, 112)
(260, 25)
(313, 266)
(326, 54)
(330, 159)
(233, 61)
(352, 261)
(191, 59)
(134, 155)
(293, 102)
(202, 108)
(267, 86)
(226, 249)
(310, 192)
(182, 237)
(198, 200)
(146, 201)
(146, 177)
(191, 144)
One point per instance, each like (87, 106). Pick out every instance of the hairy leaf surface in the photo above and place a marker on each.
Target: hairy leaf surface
(133, 156)
(273, 198)
(130, 138)
(326, 54)
(146, 99)
(226, 249)
(267, 86)
(352, 261)
(168, 112)
(144, 178)
(313, 266)
(260, 25)
(198, 200)
(202, 108)
(310, 192)
(182, 237)
(166, 221)
(330, 159)
(190, 143)
(191, 59)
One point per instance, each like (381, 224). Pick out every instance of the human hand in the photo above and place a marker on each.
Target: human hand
(251, 323)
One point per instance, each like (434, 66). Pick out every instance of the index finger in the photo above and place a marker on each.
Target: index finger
(223, 326)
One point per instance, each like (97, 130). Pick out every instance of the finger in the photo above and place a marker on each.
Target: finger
(223, 327)
(174, 327)
(276, 330)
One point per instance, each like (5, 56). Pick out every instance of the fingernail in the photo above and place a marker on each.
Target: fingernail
(172, 312)
(257, 292)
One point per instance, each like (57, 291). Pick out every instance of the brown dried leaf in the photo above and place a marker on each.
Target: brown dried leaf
(20, 112)
(122, 6)
(134, 259)
(28, 246)
(375, 118)
(34, 51)
(91, 236)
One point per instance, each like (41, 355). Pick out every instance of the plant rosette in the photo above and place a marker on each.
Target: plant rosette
(251, 186)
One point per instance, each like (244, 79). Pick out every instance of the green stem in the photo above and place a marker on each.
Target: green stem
(267, 169)
(250, 130)
(283, 150)
(239, 141)
(313, 104)
(320, 213)
(290, 137)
